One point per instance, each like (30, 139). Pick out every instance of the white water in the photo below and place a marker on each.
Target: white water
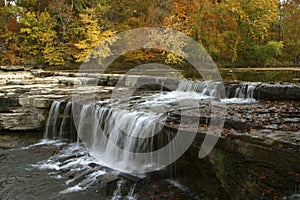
(51, 126)
(243, 94)
(117, 132)
(177, 184)
(57, 124)
(103, 129)
(73, 159)
(130, 127)
(65, 118)
(208, 89)
(118, 192)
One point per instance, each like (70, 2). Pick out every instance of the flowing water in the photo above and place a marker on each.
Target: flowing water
(60, 167)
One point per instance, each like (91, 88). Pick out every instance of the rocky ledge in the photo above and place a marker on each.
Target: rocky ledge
(26, 95)
(256, 156)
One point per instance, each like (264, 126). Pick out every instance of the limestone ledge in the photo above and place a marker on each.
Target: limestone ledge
(26, 95)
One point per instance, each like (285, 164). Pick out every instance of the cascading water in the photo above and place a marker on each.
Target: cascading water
(117, 193)
(243, 93)
(205, 88)
(51, 130)
(103, 128)
(133, 126)
(66, 120)
(59, 125)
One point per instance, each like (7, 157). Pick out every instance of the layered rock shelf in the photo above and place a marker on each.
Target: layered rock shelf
(26, 95)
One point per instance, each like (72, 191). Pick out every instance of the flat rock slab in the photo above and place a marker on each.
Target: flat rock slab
(12, 68)
(108, 178)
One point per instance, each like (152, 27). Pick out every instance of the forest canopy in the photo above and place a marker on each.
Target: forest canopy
(234, 32)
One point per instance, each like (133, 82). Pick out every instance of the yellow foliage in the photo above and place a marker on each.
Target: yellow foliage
(91, 37)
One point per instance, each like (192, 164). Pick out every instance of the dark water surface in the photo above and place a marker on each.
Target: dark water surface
(253, 75)
(288, 75)
(33, 170)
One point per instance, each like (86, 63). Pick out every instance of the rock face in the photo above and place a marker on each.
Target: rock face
(278, 92)
(248, 168)
(242, 167)
(25, 100)
(26, 96)
(265, 91)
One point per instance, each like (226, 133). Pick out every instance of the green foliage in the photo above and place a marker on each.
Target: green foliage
(270, 51)
(289, 31)
(260, 55)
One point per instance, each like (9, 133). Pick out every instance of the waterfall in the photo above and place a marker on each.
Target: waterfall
(117, 132)
(131, 195)
(245, 91)
(117, 193)
(103, 129)
(205, 88)
(51, 131)
(59, 124)
(240, 93)
(66, 118)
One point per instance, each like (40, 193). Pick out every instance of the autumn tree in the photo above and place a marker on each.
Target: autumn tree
(37, 39)
(90, 35)
(10, 53)
(290, 31)
(234, 32)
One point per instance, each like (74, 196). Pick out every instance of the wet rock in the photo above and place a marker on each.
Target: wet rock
(277, 91)
(108, 178)
(8, 141)
(131, 177)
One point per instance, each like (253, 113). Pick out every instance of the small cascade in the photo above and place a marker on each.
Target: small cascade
(66, 120)
(117, 193)
(240, 93)
(131, 195)
(103, 129)
(59, 123)
(205, 88)
(245, 91)
(51, 130)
